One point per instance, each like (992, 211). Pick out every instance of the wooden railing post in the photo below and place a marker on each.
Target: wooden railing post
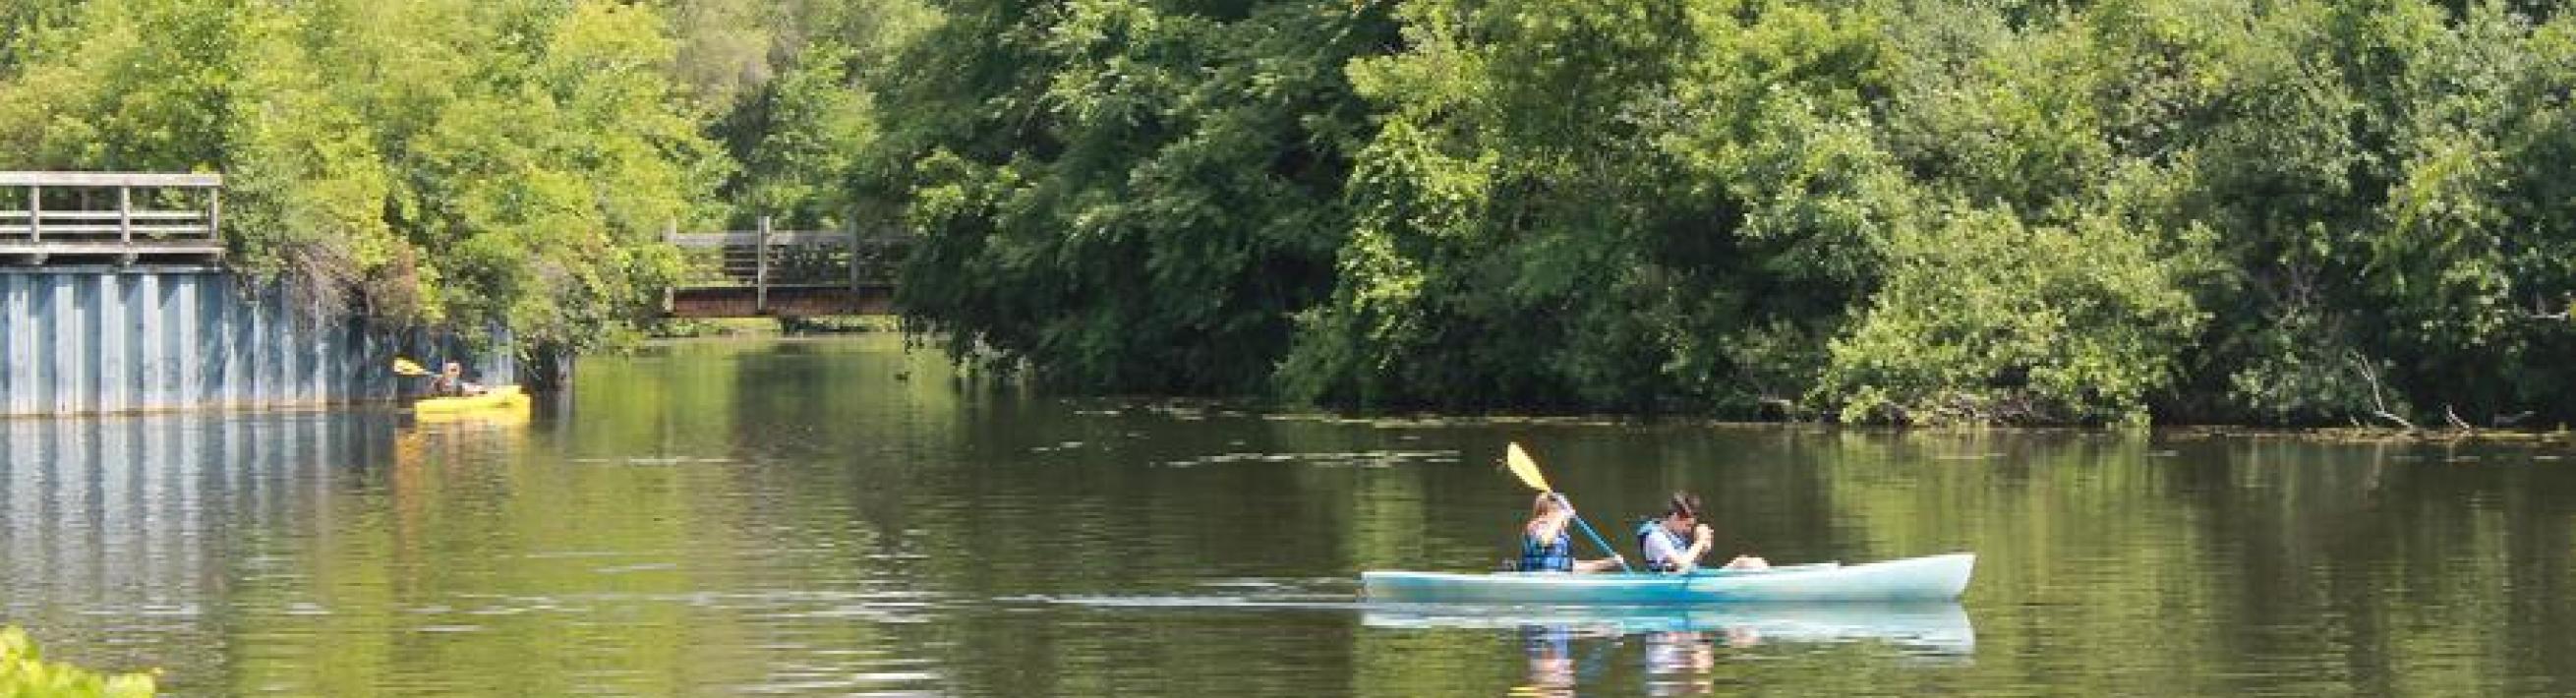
(854, 256)
(35, 214)
(760, 269)
(125, 225)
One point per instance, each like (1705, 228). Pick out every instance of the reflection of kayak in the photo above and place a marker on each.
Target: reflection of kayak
(500, 397)
(1942, 627)
(1935, 578)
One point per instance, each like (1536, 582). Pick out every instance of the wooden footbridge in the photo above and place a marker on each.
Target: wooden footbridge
(111, 218)
(785, 273)
(117, 220)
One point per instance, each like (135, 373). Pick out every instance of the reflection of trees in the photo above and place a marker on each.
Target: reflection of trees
(2229, 556)
(663, 533)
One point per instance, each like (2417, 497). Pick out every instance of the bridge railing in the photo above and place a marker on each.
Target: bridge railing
(766, 259)
(118, 216)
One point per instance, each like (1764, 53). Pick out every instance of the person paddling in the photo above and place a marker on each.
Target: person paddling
(1544, 545)
(450, 382)
(1674, 543)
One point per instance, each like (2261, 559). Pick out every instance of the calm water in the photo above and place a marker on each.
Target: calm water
(833, 518)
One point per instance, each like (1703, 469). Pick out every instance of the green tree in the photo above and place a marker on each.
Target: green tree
(442, 162)
(1128, 196)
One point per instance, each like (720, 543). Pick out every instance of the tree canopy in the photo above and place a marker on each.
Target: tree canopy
(1946, 211)
(1910, 211)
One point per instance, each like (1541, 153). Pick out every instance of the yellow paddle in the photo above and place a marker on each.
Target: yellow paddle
(1526, 468)
(403, 366)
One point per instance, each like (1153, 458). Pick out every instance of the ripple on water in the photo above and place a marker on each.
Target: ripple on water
(1351, 459)
(880, 676)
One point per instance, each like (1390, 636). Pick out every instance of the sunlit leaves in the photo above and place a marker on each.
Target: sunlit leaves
(445, 162)
(24, 672)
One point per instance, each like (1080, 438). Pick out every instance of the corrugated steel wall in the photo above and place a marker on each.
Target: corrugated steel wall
(106, 340)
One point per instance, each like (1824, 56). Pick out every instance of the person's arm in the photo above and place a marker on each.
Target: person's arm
(1602, 565)
(1551, 525)
(1683, 560)
(1701, 541)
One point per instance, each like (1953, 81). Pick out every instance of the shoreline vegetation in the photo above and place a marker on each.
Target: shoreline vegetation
(1945, 212)
(24, 673)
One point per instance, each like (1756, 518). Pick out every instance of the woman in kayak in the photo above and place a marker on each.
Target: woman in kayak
(1544, 545)
(450, 382)
(1675, 542)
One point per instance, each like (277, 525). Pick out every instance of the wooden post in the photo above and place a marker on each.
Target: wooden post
(214, 214)
(125, 225)
(35, 214)
(760, 270)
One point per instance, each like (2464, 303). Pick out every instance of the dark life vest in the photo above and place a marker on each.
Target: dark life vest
(1552, 556)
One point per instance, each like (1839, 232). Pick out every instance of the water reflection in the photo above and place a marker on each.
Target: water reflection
(1678, 662)
(118, 529)
(1551, 661)
(1920, 629)
(728, 519)
(1677, 650)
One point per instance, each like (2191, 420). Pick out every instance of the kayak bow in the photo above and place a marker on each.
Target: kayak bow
(1934, 578)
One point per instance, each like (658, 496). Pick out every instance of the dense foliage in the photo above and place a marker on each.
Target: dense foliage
(443, 162)
(24, 673)
(1912, 211)
(1938, 211)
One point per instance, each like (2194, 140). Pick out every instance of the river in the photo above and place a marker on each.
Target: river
(844, 516)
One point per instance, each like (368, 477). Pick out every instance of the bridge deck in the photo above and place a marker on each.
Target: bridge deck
(782, 301)
(785, 273)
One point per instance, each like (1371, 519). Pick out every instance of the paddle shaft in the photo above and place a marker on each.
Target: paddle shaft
(1594, 535)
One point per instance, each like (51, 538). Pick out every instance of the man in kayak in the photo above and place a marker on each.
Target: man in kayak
(450, 382)
(1674, 543)
(1544, 545)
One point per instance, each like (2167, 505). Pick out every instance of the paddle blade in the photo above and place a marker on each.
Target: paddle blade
(406, 367)
(1525, 467)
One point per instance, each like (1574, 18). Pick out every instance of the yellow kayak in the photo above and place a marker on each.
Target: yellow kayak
(499, 397)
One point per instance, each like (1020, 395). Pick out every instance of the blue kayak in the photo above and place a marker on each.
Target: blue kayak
(1934, 578)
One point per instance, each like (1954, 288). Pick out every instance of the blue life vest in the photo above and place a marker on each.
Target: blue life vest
(1655, 527)
(1552, 556)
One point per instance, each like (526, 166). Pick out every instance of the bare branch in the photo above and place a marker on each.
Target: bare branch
(2379, 406)
(2540, 310)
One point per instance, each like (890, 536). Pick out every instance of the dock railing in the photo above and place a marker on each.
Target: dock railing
(123, 217)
